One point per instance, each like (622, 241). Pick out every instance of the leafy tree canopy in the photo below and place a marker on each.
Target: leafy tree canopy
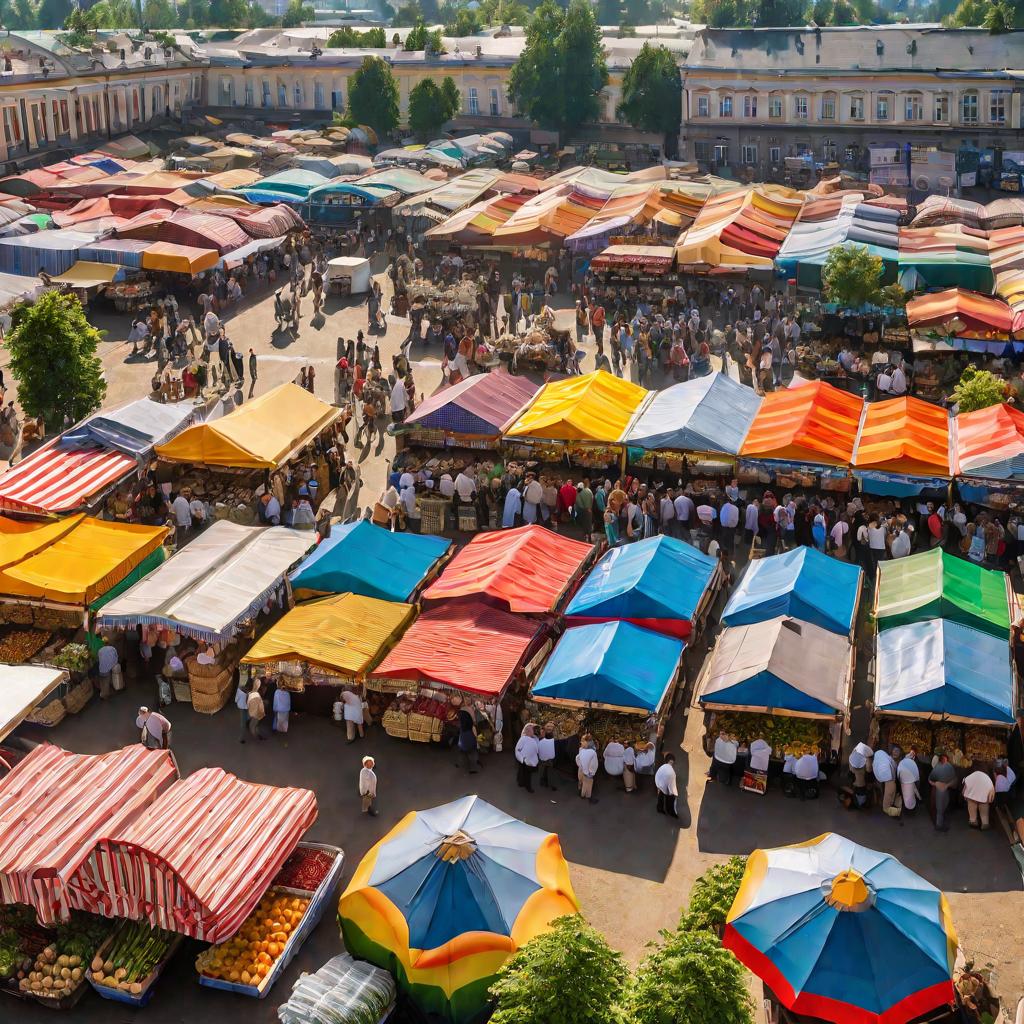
(978, 389)
(652, 91)
(431, 105)
(712, 896)
(407, 15)
(348, 38)
(296, 13)
(422, 38)
(504, 12)
(373, 95)
(852, 276)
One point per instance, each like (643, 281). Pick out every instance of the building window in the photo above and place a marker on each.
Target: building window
(12, 127)
(38, 121)
(703, 106)
(248, 93)
(828, 106)
(857, 108)
(135, 105)
(298, 94)
(750, 106)
(725, 106)
(721, 153)
(913, 108)
(775, 106)
(748, 154)
(495, 104)
(882, 108)
(474, 100)
(942, 109)
(319, 97)
(701, 151)
(266, 93)
(282, 94)
(775, 154)
(997, 106)
(828, 150)
(800, 107)
(969, 108)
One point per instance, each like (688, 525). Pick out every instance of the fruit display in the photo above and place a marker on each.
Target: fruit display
(305, 869)
(948, 738)
(59, 969)
(796, 736)
(606, 726)
(130, 957)
(983, 745)
(21, 941)
(906, 733)
(19, 645)
(249, 956)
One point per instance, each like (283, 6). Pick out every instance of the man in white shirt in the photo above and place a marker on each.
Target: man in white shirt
(898, 387)
(399, 401)
(465, 486)
(750, 515)
(156, 730)
(859, 757)
(684, 515)
(586, 764)
(883, 383)
(884, 769)
(643, 758)
(908, 775)
(876, 544)
(979, 792)
(546, 755)
(760, 755)
(806, 772)
(901, 545)
(729, 519)
(667, 513)
(533, 495)
(527, 757)
(667, 786)
(368, 786)
(838, 534)
(629, 769)
(614, 757)
(726, 752)
(182, 512)
(270, 510)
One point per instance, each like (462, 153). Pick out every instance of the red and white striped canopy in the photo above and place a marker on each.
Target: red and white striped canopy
(200, 858)
(55, 805)
(56, 479)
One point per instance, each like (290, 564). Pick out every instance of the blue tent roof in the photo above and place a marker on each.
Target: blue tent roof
(615, 664)
(361, 558)
(945, 669)
(804, 584)
(656, 578)
(707, 414)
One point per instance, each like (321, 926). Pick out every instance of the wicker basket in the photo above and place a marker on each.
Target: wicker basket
(421, 723)
(432, 516)
(467, 520)
(49, 715)
(211, 703)
(182, 690)
(395, 723)
(78, 696)
(420, 735)
(211, 685)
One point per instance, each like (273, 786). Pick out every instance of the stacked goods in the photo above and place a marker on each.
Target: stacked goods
(906, 733)
(21, 942)
(19, 645)
(249, 956)
(606, 726)
(58, 972)
(796, 736)
(950, 739)
(48, 715)
(78, 696)
(305, 869)
(343, 991)
(211, 685)
(981, 745)
(131, 955)
(396, 720)
(427, 718)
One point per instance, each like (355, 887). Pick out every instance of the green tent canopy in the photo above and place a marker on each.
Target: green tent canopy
(937, 585)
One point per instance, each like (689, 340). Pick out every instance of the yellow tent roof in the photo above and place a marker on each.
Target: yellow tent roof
(86, 274)
(262, 434)
(72, 561)
(346, 633)
(597, 406)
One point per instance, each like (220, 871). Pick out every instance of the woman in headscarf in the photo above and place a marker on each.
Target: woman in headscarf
(527, 757)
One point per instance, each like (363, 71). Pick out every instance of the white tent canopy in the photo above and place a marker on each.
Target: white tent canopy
(219, 578)
(22, 688)
(355, 268)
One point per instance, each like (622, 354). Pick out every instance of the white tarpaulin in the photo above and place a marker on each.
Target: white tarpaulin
(23, 687)
(222, 576)
(356, 269)
(783, 665)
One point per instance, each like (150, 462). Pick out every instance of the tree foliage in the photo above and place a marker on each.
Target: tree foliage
(558, 78)
(978, 389)
(373, 95)
(724, 13)
(296, 13)
(712, 896)
(407, 15)
(452, 96)
(348, 38)
(460, 20)
(422, 38)
(568, 975)
(431, 105)
(652, 91)
(53, 358)
(159, 15)
(852, 276)
(504, 12)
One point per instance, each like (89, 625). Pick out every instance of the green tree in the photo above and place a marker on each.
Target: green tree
(228, 13)
(159, 15)
(969, 13)
(79, 28)
(998, 19)
(452, 96)
(296, 13)
(193, 13)
(843, 13)
(892, 296)
(373, 95)
(53, 358)
(568, 975)
(407, 15)
(652, 92)
(53, 13)
(462, 22)
(723, 13)
(978, 389)
(781, 13)
(558, 78)
(504, 12)
(349, 38)
(712, 896)
(21, 15)
(429, 108)
(114, 14)
(422, 38)
(852, 276)
(689, 978)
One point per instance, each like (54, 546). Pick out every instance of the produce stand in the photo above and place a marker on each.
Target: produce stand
(57, 978)
(23, 688)
(313, 902)
(146, 950)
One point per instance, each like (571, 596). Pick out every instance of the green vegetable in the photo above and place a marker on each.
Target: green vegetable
(137, 949)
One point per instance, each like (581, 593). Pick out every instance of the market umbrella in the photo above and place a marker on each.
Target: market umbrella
(448, 895)
(843, 933)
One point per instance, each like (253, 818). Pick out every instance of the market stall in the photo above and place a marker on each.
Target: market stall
(803, 584)
(529, 570)
(941, 685)
(445, 939)
(204, 598)
(454, 305)
(659, 583)
(937, 585)
(361, 558)
(172, 258)
(24, 687)
(780, 680)
(989, 446)
(451, 655)
(348, 275)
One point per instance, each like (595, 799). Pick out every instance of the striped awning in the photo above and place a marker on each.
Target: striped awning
(57, 479)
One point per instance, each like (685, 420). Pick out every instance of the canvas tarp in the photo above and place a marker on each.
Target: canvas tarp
(803, 584)
(225, 574)
(85, 274)
(941, 669)
(990, 443)
(974, 311)
(467, 645)
(904, 435)
(612, 665)
(596, 407)
(72, 561)
(937, 585)
(344, 633)
(815, 424)
(362, 558)
(134, 428)
(178, 259)
(707, 414)
(658, 583)
(480, 405)
(261, 434)
(781, 666)
(22, 688)
(528, 569)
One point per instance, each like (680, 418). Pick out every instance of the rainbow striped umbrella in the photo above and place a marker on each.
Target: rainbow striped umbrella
(843, 933)
(447, 896)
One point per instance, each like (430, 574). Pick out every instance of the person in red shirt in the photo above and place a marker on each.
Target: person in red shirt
(566, 500)
(934, 528)
(597, 324)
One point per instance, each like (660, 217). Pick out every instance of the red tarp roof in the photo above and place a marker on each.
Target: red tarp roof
(987, 438)
(975, 311)
(468, 645)
(198, 859)
(55, 805)
(528, 569)
(203, 231)
(493, 397)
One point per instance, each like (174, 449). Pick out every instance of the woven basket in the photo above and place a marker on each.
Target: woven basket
(211, 703)
(48, 715)
(78, 696)
(211, 685)
(420, 735)
(395, 723)
(197, 671)
(182, 690)
(421, 723)
(467, 520)
(432, 516)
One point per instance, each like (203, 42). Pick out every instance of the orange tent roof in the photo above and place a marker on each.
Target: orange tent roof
(526, 570)
(816, 423)
(904, 435)
(977, 312)
(990, 441)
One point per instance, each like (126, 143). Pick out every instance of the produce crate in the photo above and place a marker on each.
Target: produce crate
(182, 690)
(148, 985)
(467, 520)
(420, 735)
(396, 723)
(319, 900)
(66, 1002)
(432, 517)
(49, 714)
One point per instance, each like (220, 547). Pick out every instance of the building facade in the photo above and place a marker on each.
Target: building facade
(753, 97)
